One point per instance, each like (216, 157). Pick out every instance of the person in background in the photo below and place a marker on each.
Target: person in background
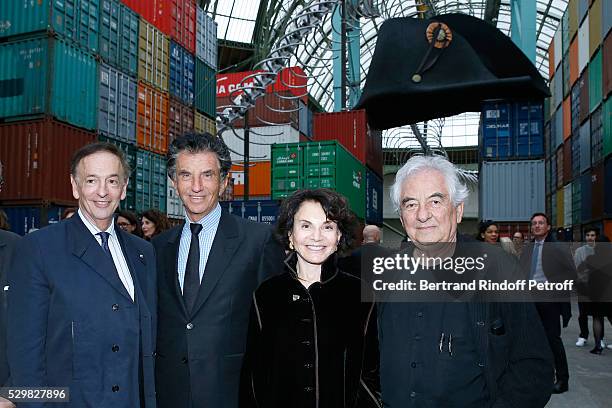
(82, 302)
(310, 332)
(154, 222)
(68, 212)
(584, 308)
(8, 243)
(370, 246)
(488, 232)
(128, 221)
(518, 241)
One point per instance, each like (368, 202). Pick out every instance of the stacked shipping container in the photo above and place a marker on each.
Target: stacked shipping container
(587, 143)
(116, 71)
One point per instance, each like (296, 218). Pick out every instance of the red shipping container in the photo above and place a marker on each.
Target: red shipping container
(279, 108)
(597, 191)
(352, 131)
(175, 18)
(573, 56)
(551, 59)
(180, 119)
(607, 66)
(567, 119)
(36, 157)
(292, 79)
(152, 119)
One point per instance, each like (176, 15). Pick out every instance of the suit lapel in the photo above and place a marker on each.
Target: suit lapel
(86, 248)
(222, 251)
(171, 251)
(136, 263)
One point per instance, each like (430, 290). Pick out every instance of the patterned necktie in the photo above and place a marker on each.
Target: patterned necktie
(191, 283)
(104, 237)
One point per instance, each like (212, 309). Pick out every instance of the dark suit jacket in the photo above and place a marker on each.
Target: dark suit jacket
(72, 322)
(199, 355)
(8, 242)
(557, 262)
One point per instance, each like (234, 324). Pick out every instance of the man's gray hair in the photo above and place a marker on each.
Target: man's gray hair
(457, 190)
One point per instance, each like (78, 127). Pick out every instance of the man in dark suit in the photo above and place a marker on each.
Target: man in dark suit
(370, 247)
(82, 298)
(208, 268)
(546, 260)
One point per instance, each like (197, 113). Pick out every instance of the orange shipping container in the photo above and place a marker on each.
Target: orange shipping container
(573, 56)
(152, 124)
(551, 59)
(36, 157)
(567, 119)
(259, 179)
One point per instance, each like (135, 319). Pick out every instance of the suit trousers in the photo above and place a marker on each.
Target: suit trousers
(550, 314)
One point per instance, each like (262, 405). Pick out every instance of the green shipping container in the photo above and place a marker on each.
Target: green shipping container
(119, 32)
(287, 169)
(576, 203)
(205, 89)
(129, 203)
(150, 180)
(75, 20)
(45, 76)
(607, 127)
(595, 81)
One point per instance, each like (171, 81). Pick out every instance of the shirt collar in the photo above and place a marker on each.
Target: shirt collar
(207, 222)
(93, 228)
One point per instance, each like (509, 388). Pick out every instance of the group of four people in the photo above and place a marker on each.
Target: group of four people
(222, 312)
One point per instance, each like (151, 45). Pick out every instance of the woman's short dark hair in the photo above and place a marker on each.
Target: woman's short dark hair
(198, 143)
(483, 227)
(132, 219)
(159, 219)
(335, 207)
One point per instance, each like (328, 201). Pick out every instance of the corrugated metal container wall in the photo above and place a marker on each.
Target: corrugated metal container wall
(607, 127)
(181, 24)
(575, 107)
(583, 45)
(584, 95)
(606, 22)
(264, 211)
(597, 190)
(206, 38)
(36, 157)
(205, 97)
(586, 197)
(34, 74)
(352, 131)
(496, 123)
(573, 62)
(150, 180)
(547, 143)
(585, 146)
(553, 174)
(572, 7)
(567, 206)
(583, 9)
(30, 218)
(553, 207)
(567, 118)
(564, 27)
(558, 84)
(576, 142)
(595, 82)
(119, 36)
(305, 119)
(292, 79)
(557, 39)
(558, 136)
(259, 178)
(511, 190)
(528, 121)
(567, 161)
(152, 124)
(551, 59)
(548, 177)
(76, 21)
(607, 66)
(182, 71)
(147, 9)
(153, 56)
(174, 205)
(117, 105)
(129, 151)
(597, 136)
(203, 123)
(271, 109)
(180, 119)
(260, 140)
(374, 198)
(608, 187)
(576, 202)
(559, 157)
(560, 195)
(595, 26)
(287, 169)
(565, 64)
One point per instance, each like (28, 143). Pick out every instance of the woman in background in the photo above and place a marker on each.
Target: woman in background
(154, 222)
(128, 221)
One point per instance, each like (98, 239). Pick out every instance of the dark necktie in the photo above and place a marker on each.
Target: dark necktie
(104, 237)
(534, 259)
(191, 283)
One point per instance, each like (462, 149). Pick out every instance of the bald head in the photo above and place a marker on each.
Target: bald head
(371, 234)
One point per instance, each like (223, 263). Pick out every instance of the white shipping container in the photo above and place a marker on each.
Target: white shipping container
(206, 38)
(583, 45)
(511, 190)
(567, 206)
(174, 206)
(558, 44)
(117, 105)
(260, 138)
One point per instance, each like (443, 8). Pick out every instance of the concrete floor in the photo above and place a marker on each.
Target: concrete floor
(590, 383)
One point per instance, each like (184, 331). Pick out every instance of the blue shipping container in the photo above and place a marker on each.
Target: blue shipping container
(75, 20)
(45, 76)
(585, 146)
(496, 130)
(608, 188)
(182, 72)
(374, 198)
(529, 123)
(265, 211)
(586, 187)
(119, 36)
(117, 105)
(27, 219)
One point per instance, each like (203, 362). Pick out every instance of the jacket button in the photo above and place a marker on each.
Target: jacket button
(412, 394)
(115, 388)
(154, 354)
(307, 365)
(308, 389)
(115, 348)
(189, 326)
(480, 323)
(480, 364)
(413, 364)
(184, 360)
(306, 342)
(115, 307)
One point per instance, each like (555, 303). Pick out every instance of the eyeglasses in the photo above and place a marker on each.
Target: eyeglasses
(123, 224)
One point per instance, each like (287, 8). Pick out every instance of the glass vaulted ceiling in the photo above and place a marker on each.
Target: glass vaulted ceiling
(237, 20)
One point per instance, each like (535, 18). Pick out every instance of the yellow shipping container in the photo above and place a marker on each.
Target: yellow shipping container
(573, 18)
(153, 56)
(203, 123)
(595, 27)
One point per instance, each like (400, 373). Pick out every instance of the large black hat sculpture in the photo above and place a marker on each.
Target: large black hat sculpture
(426, 69)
